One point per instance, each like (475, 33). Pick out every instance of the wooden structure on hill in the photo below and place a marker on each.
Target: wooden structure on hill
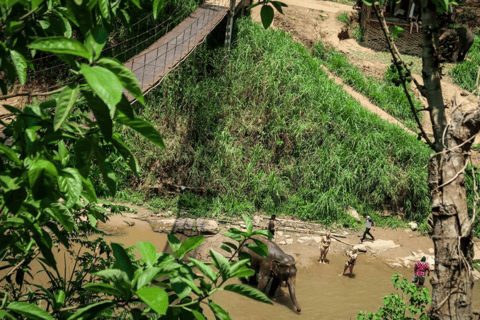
(404, 14)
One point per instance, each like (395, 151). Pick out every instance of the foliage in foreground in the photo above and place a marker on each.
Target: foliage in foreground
(465, 74)
(382, 93)
(395, 306)
(267, 130)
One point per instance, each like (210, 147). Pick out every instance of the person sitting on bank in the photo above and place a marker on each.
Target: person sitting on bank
(368, 225)
(271, 225)
(324, 246)
(351, 262)
(420, 268)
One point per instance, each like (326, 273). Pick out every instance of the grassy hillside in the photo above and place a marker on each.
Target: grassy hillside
(262, 128)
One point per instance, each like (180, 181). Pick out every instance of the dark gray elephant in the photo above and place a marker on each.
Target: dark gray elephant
(454, 44)
(280, 267)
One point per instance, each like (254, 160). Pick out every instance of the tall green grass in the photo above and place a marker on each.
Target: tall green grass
(262, 128)
(382, 93)
(465, 74)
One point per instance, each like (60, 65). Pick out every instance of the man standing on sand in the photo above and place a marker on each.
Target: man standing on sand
(352, 261)
(420, 268)
(369, 224)
(324, 247)
(271, 225)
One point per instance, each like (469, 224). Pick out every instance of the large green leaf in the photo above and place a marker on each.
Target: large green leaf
(148, 251)
(11, 155)
(20, 63)
(126, 77)
(89, 190)
(5, 315)
(248, 291)
(70, 183)
(206, 270)
(104, 6)
(188, 245)
(266, 13)
(127, 155)
(91, 311)
(173, 242)
(118, 277)
(180, 287)
(278, 5)
(155, 298)
(218, 311)
(65, 102)
(29, 310)
(158, 6)
(107, 174)
(248, 223)
(143, 127)
(101, 112)
(198, 315)
(221, 263)
(122, 260)
(146, 276)
(96, 40)
(105, 84)
(82, 14)
(83, 155)
(66, 25)
(60, 45)
(103, 288)
(42, 177)
(61, 214)
(243, 273)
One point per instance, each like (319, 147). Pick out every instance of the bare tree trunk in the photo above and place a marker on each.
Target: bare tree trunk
(452, 280)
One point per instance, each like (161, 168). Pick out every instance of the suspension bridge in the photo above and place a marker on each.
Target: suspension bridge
(154, 63)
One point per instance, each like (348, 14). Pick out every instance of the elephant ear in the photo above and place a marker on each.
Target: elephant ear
(275, 267)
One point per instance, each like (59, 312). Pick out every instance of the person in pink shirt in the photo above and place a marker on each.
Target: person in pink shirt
(421, 268)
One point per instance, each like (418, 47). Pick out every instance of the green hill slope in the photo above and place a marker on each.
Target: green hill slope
(262, 128)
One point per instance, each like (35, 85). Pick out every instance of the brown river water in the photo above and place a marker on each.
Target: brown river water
(321, 292)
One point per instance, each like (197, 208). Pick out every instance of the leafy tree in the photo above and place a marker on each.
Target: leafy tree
(395, 307)
(47, 198)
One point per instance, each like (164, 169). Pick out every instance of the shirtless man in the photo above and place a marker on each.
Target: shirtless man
(324, 247)
(271, 225)
(352, 260)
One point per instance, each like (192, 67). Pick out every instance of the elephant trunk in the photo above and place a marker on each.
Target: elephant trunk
(291, 290)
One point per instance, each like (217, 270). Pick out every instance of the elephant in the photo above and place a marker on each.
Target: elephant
(280, 267)
(454, 44)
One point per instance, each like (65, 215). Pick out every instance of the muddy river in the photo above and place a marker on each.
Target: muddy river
(321, 292)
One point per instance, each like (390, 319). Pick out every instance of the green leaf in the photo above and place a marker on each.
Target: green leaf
(368, 2)
(20, 63)
(248, 291)
(180, 287)
(148, 251)
(103, 288)
(29, 310)
(61, 214)
(243, 273)
(107, 174)
(6, 315)
(104, 6)
(105, 84)
(173, 242)
(147, 276)
(91, 311)
(239, 265)
(233, 236)
(42, 177)
(66, 25)
(11, 155)
(278, 5)
(126, 108)
(59, 298)
(96, 39)
(126, 154)
(155, 298)
(60, 45)
(221, 263)
(188, 245)
(118, 277)
(258, 250)
(218, 311)
(123, 261)
(158, 6)
(248, 223)
(266, 13)
(264, 233)
(198, 315)
(82, 14)
(125, 76)
(83, 155)
(70, 183)
(65, 102)
(89, 190)
(206, 270)
(253, 5)
(137, 3)
(101, 113)
(142, 127)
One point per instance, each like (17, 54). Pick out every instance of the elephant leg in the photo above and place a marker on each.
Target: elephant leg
(253, 280)
(274, 286)
(262, 283)
(455, 56)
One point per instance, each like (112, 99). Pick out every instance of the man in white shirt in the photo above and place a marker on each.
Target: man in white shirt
(369, 224)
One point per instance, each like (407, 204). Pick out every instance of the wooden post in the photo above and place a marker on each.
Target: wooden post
(228, 34)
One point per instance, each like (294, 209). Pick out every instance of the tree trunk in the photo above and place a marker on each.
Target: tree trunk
(452, 280)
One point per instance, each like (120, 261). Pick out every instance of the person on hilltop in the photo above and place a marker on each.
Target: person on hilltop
(272, 226)
(420, 268)
(351, 262)
(324, 246)
(368, 225)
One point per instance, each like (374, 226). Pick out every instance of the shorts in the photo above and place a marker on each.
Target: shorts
(419, 279)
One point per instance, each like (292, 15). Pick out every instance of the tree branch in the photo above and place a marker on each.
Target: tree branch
(30, 94)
